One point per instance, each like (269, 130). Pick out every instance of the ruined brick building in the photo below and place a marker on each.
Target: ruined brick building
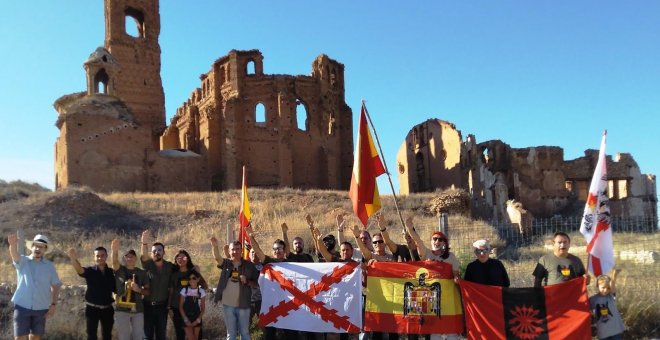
(435, 156)
(113, 137)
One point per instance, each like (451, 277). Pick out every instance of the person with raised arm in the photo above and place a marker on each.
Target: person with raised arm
(37, 289)
(100, 282)
(329, 241)
(157, 304)
(297, 252)
(400, 252)
(439, 251)
(132, 285)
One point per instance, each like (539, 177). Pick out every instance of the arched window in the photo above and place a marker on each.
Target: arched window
(301, 116)
(249, 68)
(101, 80)
(134, 22)
(260, 114)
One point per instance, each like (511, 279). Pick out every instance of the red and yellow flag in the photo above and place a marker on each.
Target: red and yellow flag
(366, 167)
(244, 219)
(412, 298)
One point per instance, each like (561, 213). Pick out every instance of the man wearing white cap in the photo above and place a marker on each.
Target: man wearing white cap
(37, 289)
(485, 270)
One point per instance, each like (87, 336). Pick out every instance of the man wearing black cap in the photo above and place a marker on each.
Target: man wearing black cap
(100, 280)
(37, 289)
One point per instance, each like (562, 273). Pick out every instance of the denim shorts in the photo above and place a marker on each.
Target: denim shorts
(28, 321)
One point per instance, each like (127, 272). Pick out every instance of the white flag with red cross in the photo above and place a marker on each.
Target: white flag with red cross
(316, 297)
(596, 226)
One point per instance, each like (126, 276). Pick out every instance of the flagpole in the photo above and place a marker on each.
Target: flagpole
(382, 155)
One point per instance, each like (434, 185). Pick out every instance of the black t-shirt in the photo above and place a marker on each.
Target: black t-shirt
(403, 252)
(299, 257)
(491, 272)
(100, 285)
(269, 259)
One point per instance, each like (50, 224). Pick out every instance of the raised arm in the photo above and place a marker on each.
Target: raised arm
(12, 239)
(285, 238)
(73, 256)
(386, 236)
(339, 222)
(255, 245)
(215, 251)
(615, 273)
(366, 253)
(114, 254)
(146, 240)
(421, 248)
(310, 224)
(318, 240)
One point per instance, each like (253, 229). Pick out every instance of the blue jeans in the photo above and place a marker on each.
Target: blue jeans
(237, 320)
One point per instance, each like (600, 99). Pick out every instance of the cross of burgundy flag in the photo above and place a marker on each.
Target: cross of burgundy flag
(314, 297)
(596, 226)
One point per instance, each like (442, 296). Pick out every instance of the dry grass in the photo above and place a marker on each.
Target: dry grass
(187, 220)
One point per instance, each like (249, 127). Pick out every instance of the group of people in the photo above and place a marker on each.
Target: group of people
(139, 299)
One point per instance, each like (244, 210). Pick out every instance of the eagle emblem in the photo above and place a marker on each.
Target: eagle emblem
(421, 299)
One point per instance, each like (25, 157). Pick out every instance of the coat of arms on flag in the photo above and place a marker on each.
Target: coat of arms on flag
(317, 297)
(412, 298)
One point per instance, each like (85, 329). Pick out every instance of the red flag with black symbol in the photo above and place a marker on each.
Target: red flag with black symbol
(366, 167)
(559, 311)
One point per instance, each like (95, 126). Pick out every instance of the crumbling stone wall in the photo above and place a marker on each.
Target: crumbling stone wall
(493, 172)
(114, 137)
(220, 121)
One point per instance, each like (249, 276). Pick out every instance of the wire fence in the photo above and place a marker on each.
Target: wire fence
(636, 243)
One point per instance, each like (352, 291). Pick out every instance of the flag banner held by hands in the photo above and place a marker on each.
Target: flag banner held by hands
(412, 298)
(596, 226)
(558, 311)
(366, 167)
(314, 297)
(244, 219)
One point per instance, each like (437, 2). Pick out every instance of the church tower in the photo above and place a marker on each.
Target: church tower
(131, 36)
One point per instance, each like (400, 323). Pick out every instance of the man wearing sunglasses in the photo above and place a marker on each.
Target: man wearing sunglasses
(484, 270)
(279, 255)
(439, 250)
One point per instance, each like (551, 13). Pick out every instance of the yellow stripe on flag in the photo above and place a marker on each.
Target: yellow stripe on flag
(385, 295)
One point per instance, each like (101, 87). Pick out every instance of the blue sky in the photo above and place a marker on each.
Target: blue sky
(529, 73)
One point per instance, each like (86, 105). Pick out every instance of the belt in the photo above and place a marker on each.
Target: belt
(98, 306)
(157, 303)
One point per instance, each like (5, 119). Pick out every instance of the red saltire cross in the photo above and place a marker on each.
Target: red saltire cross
(307, 298)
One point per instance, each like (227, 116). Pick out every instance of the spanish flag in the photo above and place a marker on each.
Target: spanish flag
(366, 167)
(244, 219)
(559, 311)
(412, 298)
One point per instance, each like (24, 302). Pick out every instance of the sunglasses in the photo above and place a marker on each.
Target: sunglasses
(481, 251)
(439, 239)
(378, 241)
(277, 248)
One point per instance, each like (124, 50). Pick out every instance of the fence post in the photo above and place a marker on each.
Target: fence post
(443, 223)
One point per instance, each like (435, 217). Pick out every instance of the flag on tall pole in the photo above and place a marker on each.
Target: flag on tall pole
(596, 226)
(244, 219)
(366, 167)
